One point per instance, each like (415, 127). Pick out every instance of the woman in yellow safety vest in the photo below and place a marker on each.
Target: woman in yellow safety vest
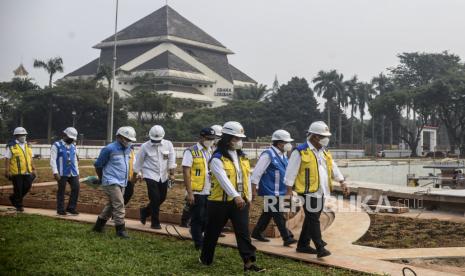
(19, 167)
(230, 197)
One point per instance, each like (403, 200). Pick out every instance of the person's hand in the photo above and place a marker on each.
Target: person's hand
(171, 177)
(139, 177)
(345, 189)
(240, 203)
(190, 199)
(57, 177)
(289, 193)
(254, 192)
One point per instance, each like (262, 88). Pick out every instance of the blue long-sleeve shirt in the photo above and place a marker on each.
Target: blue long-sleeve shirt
(114, 162)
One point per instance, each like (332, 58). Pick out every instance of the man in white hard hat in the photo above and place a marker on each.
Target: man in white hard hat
(268, 179)
(310, 172)
(156, 164)
(217, 129)
(19, 167)
(112, 167)
(65, 169)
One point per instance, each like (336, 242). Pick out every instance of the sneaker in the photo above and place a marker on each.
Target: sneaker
(156, 226)
(254, 268)
(307, 250)
(260, 237)
(289, 241)
(61, 213)
(73, 212)
(323, 253)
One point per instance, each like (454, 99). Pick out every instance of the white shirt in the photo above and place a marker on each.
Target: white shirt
(293, 169)
(8, 151)
(154, 160)
(53, 158)
(217, 168)
(262, 164)
(187, 161)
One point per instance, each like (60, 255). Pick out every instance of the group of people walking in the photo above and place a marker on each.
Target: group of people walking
(219, 181)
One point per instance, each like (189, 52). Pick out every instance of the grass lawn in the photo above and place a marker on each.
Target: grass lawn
(35, 245)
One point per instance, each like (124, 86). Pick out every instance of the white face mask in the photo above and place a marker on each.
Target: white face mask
(287, 147)
(208, 143)
(324, 142)
(237, 145)
(22, 139)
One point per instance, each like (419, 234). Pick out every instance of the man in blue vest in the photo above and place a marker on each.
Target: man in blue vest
(268, 175)
(64, 163)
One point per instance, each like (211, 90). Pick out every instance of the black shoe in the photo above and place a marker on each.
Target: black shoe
(12, 200)
(260, 237)
(99, 225)
(202, 262)
(72, 212)
(254, 268)
(156, 226)
(19, 209)
(322, 252)
(61, 213)
(222, 235)
(289, 241)
(121, 231)
(142, 216)
(307, 250)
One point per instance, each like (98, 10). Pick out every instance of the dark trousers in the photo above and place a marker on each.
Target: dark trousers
(218, 213)
(73, 198)
(198, 219)
(278, 218)
(21, 185)
(128, 192)
(311, 227)
(157, 195)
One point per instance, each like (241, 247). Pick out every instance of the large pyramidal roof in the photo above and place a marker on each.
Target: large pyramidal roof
(165, 22)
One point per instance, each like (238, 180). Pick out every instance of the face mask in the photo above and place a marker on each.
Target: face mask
(208, 143)
(324, 142)
(22, 139)
(155, 141)
(237, 145)
(69, 141)
(287, 147)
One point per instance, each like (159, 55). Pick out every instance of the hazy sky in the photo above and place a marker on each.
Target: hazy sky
(283, 37)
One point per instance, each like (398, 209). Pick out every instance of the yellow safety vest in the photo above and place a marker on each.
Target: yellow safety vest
(217, 193)
(308, 178)
(20, 161)
(198, 169)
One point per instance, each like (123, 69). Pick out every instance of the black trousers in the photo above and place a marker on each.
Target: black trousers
(218, 213)
(278, 218)
(157, 195)
(198, 219)
(21, 185)
(128, 192)
(73, 198)
(311, 227)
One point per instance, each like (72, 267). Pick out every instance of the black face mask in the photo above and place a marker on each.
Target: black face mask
(156, 141)
(69, 141)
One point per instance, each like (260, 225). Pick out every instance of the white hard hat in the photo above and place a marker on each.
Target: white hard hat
(217, 129)
(281, 135)
(157, 133)
(20, 131)
(71, 132)
(319, 128)
(234, 129)
(127, 132)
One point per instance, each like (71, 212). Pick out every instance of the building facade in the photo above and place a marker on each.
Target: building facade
(177, 57)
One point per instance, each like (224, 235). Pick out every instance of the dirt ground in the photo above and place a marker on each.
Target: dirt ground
(400, 232)
(174, 203)
(450, 265)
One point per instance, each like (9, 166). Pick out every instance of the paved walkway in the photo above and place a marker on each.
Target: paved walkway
(345, 229)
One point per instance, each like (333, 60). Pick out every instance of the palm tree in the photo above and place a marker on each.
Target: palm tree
(365, 93)
(383, 85)
(52, 66)
(251, 92)
(330, 85)
(351, 89)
